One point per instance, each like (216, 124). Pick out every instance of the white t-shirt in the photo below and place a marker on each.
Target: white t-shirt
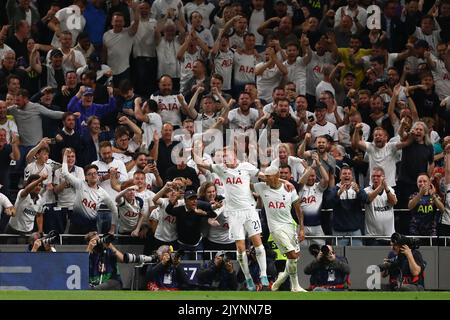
(330, 117)
(154, 123)
(66, 197)
(277, 203)
(103, 170)
(297, 168)
(446, 215)
(317, 130)
(4, 203)
(312, 197)
(223, 65)
(205, 9)
(67, 22)
(11, 128)
(149, 177)
(385, 158)
(26, 211)
(186, 68)
(441, 78)
(33, 168)
(166, 230)
(244, 68)
(87, 199)
(167, 57)
(67, 65)
(267, 81)
(314, 71)
(361, 16)
(297, 74)
(144, 39)
(379, 215)
(239, 121)
(237, 185)
(214, 178)
(433, 39)
(119, 47)
(221, 233)
(324, 86)
(257, 18)
(169, 108)
(129, 214)
(346, 139)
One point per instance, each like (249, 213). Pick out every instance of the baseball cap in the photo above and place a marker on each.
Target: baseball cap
(220, 253)
(321, 105)
(189, 194)
(94, 58)
(56, 53)
(270, 171)
(349, 73)
(421, 44)
(88, 92)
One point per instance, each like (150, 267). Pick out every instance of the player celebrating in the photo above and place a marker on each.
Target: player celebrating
(277, 203)
(240, 209)
(88, 196)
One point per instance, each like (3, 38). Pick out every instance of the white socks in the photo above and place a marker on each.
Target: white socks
(243, 262)
(261, 258)
(291, 268)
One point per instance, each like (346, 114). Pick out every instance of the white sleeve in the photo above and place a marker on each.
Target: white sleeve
(74, 181)
(294, 196)
(4, 202)
(217, 169)
(252, 170)
(111, 205)
(259, 187)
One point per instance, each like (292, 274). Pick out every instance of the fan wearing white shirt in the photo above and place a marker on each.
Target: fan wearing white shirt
(29, 207)
(296, 65)
(151, 120)
(269, 74)
(88, 197)
(72, 59)
(311, 195)
(379, 214)
(65, 193)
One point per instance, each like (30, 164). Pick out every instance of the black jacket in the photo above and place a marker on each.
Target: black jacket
(189, 224)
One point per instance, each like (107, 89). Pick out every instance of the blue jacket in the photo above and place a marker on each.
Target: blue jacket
(99, 110)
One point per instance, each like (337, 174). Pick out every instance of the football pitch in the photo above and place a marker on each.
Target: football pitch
(218, 295)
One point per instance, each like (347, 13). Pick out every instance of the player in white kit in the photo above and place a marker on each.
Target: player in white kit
(277, 203)
(240, 209)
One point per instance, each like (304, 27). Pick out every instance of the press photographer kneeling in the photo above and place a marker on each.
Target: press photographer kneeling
(103, 259)
(404, 265)
(328, 272)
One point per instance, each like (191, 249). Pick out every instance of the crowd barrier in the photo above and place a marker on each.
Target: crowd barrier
(363, 262)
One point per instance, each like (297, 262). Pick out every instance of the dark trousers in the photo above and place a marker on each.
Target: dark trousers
(144, 75)
(55, 218)
(122, 76)
(402, 219)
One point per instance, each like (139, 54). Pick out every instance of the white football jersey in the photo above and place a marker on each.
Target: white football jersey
(244, 68)
(311, 203)
(26, 211)
(66, 197)
(237, 185)
(166, 230)
(169, 108)
(129, 214)
(379, 216)
(278, 204)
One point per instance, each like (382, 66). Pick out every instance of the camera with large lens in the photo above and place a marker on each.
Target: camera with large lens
(315, 249)
(139, 258)
(51, 238)
(401, 240)
(107, 238)
(388, 264)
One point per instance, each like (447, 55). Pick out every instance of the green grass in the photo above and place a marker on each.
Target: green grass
(218, 295)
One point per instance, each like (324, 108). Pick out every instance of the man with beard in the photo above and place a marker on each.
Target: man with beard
(169, 107)
(381, 153)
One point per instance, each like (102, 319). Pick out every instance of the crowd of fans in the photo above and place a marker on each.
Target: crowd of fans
(93, 95)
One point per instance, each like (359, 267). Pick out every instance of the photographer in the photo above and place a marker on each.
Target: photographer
(103, 258)
(328, 272)
(404, 265)
(218, 274)
(40, 243)
(168, 274)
